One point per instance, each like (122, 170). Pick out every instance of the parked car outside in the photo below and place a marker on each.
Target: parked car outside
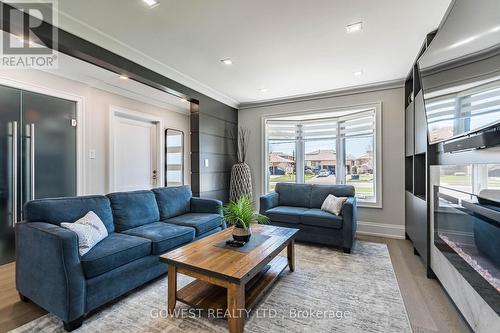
(323, 173)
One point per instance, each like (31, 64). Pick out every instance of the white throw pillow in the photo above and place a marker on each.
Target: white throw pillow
(333, 204)
(90, 231)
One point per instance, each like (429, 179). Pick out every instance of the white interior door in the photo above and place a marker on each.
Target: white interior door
(135, 154)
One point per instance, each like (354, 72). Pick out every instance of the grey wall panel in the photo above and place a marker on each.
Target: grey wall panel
(216, 144)
(219, 195)
(216, 181)
(219, 110)
(216, 163)
(217, 127)
(212, 138)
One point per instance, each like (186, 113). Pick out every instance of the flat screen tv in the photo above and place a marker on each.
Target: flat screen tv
(460, 71)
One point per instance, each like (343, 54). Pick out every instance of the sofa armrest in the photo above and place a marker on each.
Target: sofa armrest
(211, 206)
(350, 215)
(48, 269)
(268, 201)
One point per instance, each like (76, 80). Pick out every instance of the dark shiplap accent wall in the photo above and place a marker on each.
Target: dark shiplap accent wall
(212, 138)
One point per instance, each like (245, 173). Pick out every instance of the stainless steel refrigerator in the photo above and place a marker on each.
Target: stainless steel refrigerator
(37, 155)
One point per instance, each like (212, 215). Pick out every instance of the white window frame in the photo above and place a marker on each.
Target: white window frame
(377, 145)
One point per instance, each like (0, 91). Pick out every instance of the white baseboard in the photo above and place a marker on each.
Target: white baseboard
(381, 230)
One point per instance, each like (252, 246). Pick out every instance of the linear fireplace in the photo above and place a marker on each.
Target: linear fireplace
(467, 233)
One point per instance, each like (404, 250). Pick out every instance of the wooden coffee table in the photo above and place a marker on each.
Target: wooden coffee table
(229, 281)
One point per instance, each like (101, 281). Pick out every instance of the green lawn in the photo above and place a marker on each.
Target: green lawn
(290, 178)
(362, 178)
(494, 181)
(455, 180)
(465, 180)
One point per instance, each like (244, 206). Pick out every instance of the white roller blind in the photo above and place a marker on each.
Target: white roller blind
(359, 125)
(481, 103)
(282, 130)
(441, 109)
(353, 125)
(319, 129)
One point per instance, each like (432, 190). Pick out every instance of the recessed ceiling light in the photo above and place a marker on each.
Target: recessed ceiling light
(152, 3)
(123, 77)
(227, 61)
(354, 27)
(357, 73)
(263, 90)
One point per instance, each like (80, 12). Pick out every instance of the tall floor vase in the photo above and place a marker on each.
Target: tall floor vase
(241, 182)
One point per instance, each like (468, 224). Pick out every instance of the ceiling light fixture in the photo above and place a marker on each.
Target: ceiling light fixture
(227, 61)
(264, 90)
(123, 77)
(354, 27)
(151, 3)
(357, 73)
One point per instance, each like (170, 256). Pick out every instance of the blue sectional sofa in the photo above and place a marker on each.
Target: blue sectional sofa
(298, 206)
(141, 226)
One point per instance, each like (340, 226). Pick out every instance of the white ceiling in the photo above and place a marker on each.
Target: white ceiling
(97, 77)
(289, 47)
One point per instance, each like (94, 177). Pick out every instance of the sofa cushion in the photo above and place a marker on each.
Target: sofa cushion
(163, 236)
(320, 192)
(319, 218)
(58, 210)
(333, 204)
(297, 195)
(133, 209)
(90, 231)
(286, 214)
(202, 222)
(114, 251)
(173, 201)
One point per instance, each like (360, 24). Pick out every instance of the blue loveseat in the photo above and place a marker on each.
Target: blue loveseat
(142, 225)
(298, 206)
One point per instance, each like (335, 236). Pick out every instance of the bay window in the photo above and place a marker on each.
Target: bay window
(326, 149)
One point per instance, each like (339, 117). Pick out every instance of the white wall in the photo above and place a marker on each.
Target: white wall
(96, 121)
(390, 219)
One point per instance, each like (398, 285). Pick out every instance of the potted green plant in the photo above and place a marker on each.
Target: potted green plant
(241, 215)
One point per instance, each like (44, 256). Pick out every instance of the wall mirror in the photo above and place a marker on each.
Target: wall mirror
(174, 157)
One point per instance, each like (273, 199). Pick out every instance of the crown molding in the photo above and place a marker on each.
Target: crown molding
(399, 83)
(91, 34)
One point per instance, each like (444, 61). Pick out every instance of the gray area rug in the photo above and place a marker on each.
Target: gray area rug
(329, 292)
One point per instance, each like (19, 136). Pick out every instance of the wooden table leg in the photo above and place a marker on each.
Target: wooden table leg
(291, 255)
(172, 288)
(236, 308)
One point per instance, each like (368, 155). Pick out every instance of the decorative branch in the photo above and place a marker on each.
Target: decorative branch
(242, 144)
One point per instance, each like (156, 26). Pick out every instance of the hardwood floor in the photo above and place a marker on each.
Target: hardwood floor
(13, 312)
(429, 308)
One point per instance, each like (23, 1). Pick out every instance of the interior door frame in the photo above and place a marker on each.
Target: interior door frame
(115, 111)
(81, 165)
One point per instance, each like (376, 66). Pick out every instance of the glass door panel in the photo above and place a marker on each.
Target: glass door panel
(10, 101)
(49, 146)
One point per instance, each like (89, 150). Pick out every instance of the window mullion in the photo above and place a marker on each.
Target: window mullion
(340, 160)
(299, 159)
